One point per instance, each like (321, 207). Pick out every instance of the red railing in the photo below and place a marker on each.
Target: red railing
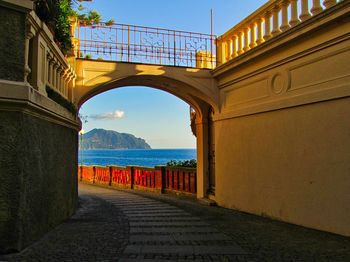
(180, 179)
(158, 179)
(148, 45)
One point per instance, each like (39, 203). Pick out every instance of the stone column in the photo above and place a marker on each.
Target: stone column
(219, 52)
(202, 156)
(62, 80)
(275, 25)
(294, 20)
(240, 44)
(234, 46)
(267, 18)
(58, 78)
(285, 25)
(27, 69)
(227, 50)
(316, 7)
(49, 67)
(54, 73)
(246, 39)
(304, 10)
(252, 35)
(329, 3)
(259, 38)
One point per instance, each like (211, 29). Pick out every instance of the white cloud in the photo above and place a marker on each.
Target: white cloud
(108, 116)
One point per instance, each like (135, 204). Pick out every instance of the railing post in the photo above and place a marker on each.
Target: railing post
(219, 52)
(329, 3)
(267, 18)
(49, 63)
(294, 20)
(62, 81)
(129, 43)
(27, 69)
(304, 10)
(285, 25)
(275, 25)
(227, 50)
(110, 175)
(240, 44)
(94, 174)
(316, 7)
(234, 46)
(252, 35)
(131, 174)
(246, 39)
(174, 48)
(259, 38)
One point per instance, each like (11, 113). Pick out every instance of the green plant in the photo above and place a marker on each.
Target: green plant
(56, 13)
(110, 22)
(94, 17)
(186, 163)
(88, 56)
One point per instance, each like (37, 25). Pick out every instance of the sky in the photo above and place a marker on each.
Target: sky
(156, 116)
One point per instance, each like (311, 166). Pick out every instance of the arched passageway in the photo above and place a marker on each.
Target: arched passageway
(194, 86)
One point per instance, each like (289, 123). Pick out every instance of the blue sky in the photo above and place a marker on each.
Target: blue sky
(158, 117)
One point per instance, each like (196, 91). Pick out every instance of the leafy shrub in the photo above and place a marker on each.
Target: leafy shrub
(186, 163)
(56, 13)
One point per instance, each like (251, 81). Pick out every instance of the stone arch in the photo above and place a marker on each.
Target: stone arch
(194, 86)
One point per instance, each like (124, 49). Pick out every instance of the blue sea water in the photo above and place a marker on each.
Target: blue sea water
(138, 157)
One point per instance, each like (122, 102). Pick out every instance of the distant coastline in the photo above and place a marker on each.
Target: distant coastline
(109, 139)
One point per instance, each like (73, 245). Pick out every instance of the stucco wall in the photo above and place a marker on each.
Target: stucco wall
(38, 184)
(291, 164)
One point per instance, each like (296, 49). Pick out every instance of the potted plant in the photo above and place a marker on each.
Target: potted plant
(110, 22)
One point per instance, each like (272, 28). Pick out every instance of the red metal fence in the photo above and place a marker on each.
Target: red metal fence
(149, 45)
(158, 179)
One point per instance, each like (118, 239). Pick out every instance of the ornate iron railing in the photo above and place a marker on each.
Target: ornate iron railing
(148, 45)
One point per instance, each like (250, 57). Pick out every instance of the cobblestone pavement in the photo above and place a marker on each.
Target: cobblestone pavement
(114, 225)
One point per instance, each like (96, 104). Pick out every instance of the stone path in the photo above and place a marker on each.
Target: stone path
(113, 225)
(161, 232)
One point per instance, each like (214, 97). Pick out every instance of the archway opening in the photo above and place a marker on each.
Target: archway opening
(160, 119)
(138, 136)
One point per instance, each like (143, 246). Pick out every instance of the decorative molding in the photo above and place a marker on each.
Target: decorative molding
(279, 83)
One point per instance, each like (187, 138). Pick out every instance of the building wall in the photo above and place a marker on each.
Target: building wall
(38, 148)
(282, 136)
(36, 193)
(12, 32)
(291, 164)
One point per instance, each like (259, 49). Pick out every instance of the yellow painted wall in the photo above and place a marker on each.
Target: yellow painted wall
(291, 164)
(282, 137)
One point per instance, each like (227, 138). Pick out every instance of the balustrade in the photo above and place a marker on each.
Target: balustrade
(46, 67)
(269, 21)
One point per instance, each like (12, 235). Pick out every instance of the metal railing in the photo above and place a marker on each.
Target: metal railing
(146, 45)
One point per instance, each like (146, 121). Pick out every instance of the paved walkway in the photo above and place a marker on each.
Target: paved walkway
(113, 225)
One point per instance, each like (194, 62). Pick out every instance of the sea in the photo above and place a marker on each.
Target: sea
(136, 157)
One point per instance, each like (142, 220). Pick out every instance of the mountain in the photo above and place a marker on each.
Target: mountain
(108, 139)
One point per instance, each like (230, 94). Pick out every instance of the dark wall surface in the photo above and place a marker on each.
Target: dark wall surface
(12, 42)
(38, 183)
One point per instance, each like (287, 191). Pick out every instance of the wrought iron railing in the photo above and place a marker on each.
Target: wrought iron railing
(148, 45)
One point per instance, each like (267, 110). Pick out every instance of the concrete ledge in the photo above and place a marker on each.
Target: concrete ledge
(20, 96)
(19, 5)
